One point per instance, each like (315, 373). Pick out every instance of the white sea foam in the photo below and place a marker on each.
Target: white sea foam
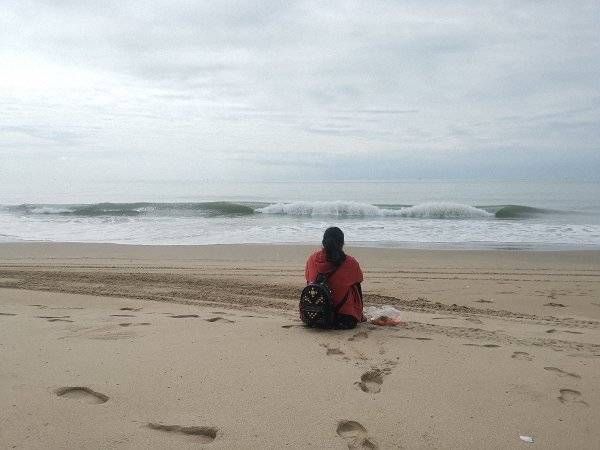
(49, 210)
(439, 210)
(336, 209)
(442, 210)
(273, 228)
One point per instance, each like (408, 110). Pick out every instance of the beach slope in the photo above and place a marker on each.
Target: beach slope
(108, 346)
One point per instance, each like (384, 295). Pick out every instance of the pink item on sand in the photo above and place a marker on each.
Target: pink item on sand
(383, 315)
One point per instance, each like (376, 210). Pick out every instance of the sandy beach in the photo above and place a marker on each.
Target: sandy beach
(113, 346)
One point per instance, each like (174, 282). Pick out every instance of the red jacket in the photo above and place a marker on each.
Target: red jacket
(342, 282)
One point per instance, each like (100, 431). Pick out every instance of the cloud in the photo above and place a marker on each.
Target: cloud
(439, 89)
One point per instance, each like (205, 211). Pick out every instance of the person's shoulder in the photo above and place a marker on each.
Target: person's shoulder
(315, 255)
(351, 260)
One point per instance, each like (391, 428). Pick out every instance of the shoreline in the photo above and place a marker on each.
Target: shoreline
(414, 246)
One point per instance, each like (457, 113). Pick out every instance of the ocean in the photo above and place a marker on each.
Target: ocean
(413, 214)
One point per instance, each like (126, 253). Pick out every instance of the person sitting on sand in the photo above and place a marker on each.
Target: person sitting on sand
(344, 282)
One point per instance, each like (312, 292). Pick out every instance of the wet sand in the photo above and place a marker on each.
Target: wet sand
(108, 346)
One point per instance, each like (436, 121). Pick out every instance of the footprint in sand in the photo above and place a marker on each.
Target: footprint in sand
(215, 319)
(82, 393)
(361, 335)
(201, 435)
(355, 435)
(482, 345)
(553, 330)
(522, 356)
(332, 350)
(474, 320)
(571, 396)
(371, 381)
(561, 373)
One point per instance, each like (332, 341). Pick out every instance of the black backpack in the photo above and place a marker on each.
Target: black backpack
(316, 303)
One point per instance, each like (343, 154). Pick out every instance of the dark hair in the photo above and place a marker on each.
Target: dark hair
(333, 243)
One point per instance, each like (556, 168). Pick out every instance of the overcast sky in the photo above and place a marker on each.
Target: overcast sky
(277, 90)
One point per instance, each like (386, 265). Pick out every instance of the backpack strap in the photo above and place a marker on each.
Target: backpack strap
(328, 275)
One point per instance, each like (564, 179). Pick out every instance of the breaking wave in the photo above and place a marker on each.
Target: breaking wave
(354, 209)
(137, 209)
(341, 209)
(519, 212)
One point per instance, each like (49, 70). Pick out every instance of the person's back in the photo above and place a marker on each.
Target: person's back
(345, 279)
